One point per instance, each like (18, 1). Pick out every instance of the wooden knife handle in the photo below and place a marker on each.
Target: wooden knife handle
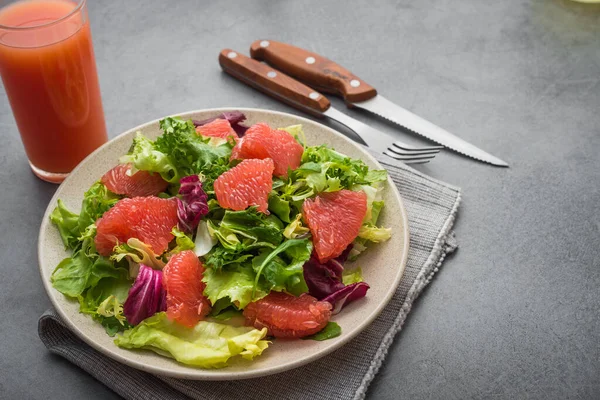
(273, 82)
(313, 69)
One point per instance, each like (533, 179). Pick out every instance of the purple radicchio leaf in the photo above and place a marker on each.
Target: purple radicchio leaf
(146, 297)
(346, 295)
(323, 279)
(192, 205)
(344, 256)
(235, 119)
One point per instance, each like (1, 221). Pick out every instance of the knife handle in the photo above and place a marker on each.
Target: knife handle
(313, 69)
(272, 82)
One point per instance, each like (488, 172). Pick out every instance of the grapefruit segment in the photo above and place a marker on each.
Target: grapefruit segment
(149, 219)
(140, 184)
(220, 128)
(182, 279)
(260, 141)
(247, 184)
(287, 316)
(334, 220)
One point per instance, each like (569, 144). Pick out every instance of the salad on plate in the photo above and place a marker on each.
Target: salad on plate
(217, 238)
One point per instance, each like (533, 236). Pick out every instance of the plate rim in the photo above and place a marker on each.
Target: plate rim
(193, 373)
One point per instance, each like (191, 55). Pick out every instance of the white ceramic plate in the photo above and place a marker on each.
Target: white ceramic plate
(382, 265)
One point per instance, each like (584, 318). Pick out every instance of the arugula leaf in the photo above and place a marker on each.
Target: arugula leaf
(330, 331)
(282, 267)
(279, 207)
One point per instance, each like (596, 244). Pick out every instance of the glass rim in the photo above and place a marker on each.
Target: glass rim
(78, 7)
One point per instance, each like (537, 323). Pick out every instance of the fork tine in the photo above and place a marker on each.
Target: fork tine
(412, 152)
(409, 158)
(407, 147)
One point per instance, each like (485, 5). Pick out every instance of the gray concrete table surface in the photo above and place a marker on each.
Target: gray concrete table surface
(515, 312)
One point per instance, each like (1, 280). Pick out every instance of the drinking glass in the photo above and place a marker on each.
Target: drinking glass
(49, 73)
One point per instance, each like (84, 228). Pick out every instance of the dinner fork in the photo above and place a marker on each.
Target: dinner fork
(285, 88)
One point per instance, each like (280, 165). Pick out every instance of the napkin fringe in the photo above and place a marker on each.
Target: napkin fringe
(445, 244)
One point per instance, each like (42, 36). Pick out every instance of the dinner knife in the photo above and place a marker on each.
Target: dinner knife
(329, 77)
(288, 90)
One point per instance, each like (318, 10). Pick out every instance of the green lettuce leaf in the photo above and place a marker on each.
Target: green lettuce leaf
(96, 201)
(206, 345)
(67, 223)
(235, 284)
(182, 242)
(84, 269)
(330, 331)
(369, 232)
(350, 276)
(374, 234)
(104, 302)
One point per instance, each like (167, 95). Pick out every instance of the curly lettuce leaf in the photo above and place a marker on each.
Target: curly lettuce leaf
(370, 232)
(206, 345)
(104, 302)
(137, 252)
(145, 157)
(295, 228)
(183, 242)
(323, 170)
(374, 234)
(190, 153)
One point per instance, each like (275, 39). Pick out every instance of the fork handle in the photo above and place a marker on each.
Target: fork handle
(273, 82)
(313, 69)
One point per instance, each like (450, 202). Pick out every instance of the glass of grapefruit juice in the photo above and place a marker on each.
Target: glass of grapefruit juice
(49, 73)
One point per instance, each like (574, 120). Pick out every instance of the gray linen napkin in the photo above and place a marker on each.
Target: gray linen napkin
(431, 206)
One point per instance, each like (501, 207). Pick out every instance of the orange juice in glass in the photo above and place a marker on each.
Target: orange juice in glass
(49, 73)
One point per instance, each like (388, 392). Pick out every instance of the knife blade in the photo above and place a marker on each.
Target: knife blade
(290, 91)
(327, 76)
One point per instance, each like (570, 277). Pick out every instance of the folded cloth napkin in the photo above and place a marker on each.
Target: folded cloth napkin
(431, 206)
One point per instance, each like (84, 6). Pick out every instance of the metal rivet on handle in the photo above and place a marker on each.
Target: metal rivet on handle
(314, 95)
(310, 60)
(354, 83)
(271, 74)
(264, 43)
(232, 54)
